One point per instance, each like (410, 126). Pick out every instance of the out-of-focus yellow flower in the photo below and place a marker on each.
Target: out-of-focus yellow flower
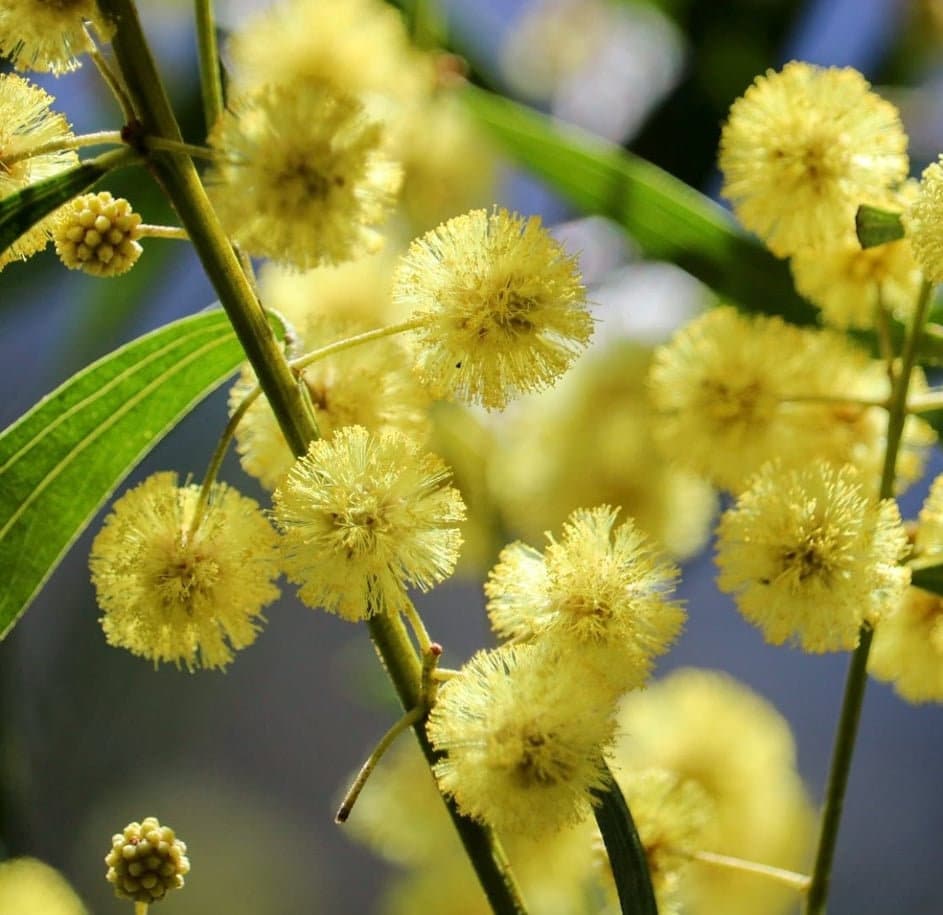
(599, 597)
(170, 593)
(364, 516)
(908, 641)
(26, 124)
(803, 148)
(303, 177)
(809, 556)
(502, 306)
(589, 441)
(708, 728)
(523, 744)
(924, 222)
(48, 35)
(29, 887)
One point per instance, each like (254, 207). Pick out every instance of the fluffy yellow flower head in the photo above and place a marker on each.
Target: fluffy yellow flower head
(809, 556)
(589, 441)
(363, 517)
(732, 392)
(523, 744)
(908, 641)
(97, 234)
(598, 595)
(503, 307)
(803, 148)
(48, 35)
(26, 123)
(924, 222)
(707, 728)
(847, 282)
(672, 815)
(358, 46)
(172, 594)
(370, 386)
(304, 178)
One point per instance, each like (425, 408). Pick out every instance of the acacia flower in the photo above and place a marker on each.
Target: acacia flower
(803, 148)
(599, 595)
(370, 386)
(146, 860)
(170, 593)
(809, 556)
(303, 178)
(502, 306)
(48, 35)
(923, 222)
(673, 817)
(364, 516)
(97, 234)
(908, 641)
(687, 724)
(26, 124)
(523, 743)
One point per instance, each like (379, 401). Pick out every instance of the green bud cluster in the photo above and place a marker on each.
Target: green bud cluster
(145, 861)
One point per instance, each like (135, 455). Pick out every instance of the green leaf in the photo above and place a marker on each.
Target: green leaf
(669, 220)
(929, 579)
(626, 854)
(19, 212)
(877, 227)
(61, 461)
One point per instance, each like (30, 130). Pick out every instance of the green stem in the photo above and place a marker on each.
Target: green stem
(175, 232)
(350, 342)
(211, 82)
(178, 146)
(791, 879)
(140, 908)
(182, 185)
(99, 138)
(857, 679)
(112, 81)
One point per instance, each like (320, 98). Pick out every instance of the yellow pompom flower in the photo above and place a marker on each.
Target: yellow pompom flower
(359, 47)
(364, 516)
(26, 124)
(523, 745)
(803, 148)
(589, 441)
(48, 35)
(923, 222)
(502, 306)
(708, 729)
(809, 556)
(847, 282)
(598, 596)
(370, 386)
(672, 815)
(97, 234)
(170, 593)
(907, 650)
(303, 177)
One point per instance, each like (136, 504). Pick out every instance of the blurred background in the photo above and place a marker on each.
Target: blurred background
(248, 765)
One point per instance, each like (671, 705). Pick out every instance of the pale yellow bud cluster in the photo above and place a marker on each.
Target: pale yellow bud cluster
(146, 860)
(98, 234)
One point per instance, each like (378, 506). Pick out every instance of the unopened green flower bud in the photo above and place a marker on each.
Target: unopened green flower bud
(146, 860)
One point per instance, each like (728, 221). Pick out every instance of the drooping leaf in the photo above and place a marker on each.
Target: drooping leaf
(669, 220)
(62, 459)
(877, 227)
(625, 851)
(22, 210)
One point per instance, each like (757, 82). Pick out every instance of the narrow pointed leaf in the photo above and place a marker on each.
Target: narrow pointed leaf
(929, 579)
(22, 210)
(626, 854)
(669, 220)
(61, 461)
(877, 227)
